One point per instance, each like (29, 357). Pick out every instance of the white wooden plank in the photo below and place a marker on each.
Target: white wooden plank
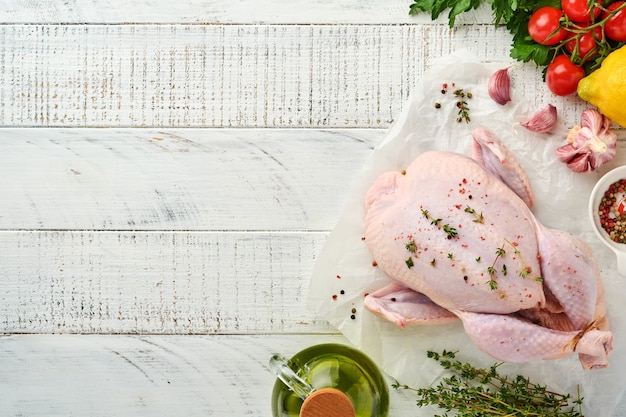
(232, 75)
(185, 179)
(122, 376)
(128, 376)
(157, 282)
(215, 11)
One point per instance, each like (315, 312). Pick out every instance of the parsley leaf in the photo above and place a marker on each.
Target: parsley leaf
(436, 7)
(528, 51)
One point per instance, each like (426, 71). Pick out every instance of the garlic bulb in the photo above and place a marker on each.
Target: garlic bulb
(543, 121)
(589, 145)
(500, 86)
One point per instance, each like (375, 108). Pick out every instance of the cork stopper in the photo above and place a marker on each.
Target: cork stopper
(327, 402)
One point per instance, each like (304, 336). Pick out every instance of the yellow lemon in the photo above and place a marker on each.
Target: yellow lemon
(605, 88)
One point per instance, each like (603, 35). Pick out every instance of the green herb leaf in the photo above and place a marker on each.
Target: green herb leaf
(526, 51)
(471, 391)
(437, 7)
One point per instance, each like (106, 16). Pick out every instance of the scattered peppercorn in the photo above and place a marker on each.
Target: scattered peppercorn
(612, 211)
(437, 105)
(353, 310)
(342, 292)
(353, 317)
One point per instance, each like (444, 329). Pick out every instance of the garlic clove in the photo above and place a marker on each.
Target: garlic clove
(543, 121)
(576, 160)
(500, 86)
(595, 121)
(589, 146)
(580, 164)
(596, 160)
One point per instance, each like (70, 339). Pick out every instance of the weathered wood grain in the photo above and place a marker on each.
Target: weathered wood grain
(185, 179)
(217, 11)
(157, 282)
(232, 75)
(164, 376)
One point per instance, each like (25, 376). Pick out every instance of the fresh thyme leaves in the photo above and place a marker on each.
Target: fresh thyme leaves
(472, 391)
(491, 270)
(478, 217)
(461, 98)
(409, 263)
(463, 114)
(449, 230)
(411, 246)
(501, 252)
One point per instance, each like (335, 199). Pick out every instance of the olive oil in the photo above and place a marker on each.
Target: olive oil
(335, 366)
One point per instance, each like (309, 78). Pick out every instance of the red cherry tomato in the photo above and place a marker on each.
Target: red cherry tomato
(562, 76)
(578, 10)
(544, 26)
(587, 43)
(615, 27)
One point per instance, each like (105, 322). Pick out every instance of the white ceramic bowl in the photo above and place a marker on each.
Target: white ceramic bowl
(594, 201)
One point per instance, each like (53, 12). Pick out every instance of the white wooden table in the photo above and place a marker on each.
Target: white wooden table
(170, 169)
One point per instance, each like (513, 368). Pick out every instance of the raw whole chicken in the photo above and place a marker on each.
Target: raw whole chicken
(458, 239)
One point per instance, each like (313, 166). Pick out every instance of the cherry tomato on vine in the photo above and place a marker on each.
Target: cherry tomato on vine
(586, 42)
(615, 27)
(544, 26)
(562, 76)
(578, 10)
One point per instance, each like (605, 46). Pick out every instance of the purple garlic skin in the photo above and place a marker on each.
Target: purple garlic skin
(589, 145)
(500, 86)
(543, 121)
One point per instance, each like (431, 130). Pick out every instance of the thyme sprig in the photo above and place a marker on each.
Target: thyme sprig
(449, 230)
(478, 217)
(472, 391)
(463, 114)
(500, 252)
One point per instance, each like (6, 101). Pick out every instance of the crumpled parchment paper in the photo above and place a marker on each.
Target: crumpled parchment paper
(344, 273)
